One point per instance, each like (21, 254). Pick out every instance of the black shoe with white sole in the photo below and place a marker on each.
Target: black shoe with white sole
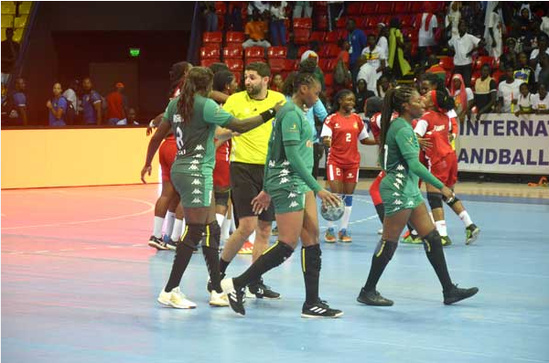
(320, 309)
(236, 296)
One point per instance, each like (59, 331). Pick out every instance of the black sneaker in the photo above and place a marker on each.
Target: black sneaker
(236, 296)
(262, 291)
(209, 286)
(170, 244)
(373, 298)
(446, 241)
(158, 243)
(456, 294)
(320, 309)
(471, 234)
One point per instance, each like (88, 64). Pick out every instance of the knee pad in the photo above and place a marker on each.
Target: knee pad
(432, 241)
(385, 249)
(222, 198)
(435, 200)
(348, 199)
(212, 234)
(192, 235)
(452, 201)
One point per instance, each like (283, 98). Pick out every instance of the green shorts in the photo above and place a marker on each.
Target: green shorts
(195, 190)
(291, 199)
(394, 200)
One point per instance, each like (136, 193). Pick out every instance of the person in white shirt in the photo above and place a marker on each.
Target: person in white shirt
(426, 35)
(375, 64)
(464, 45)
(540, 101)
(382, 42)
(453, 18)
(524, 101)
(535, 63)
(508, 92)
(494, 27)
(70, 95)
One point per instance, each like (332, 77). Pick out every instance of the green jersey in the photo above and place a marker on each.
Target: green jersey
(289, 128)
(194, 137)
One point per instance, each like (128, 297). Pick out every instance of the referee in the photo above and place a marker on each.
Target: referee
(248, 155)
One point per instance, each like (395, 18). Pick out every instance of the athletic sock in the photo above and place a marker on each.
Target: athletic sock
(380, 209)
(223, 265)
(170, 218)
(181, 261)
(271, 258)
(441, 228)
(220, 218)
(310, 264)
(433, 249)
(346, 217)
(464, 216)
(225, 229)
(210, 250)
(157, 226)
(382, 255)
(177, 230)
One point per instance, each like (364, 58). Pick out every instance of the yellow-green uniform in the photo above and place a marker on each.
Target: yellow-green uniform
(192, 169)
(399, 188)
(290, 160)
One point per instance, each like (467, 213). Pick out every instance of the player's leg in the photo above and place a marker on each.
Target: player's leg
(349, 184)
(334, 175)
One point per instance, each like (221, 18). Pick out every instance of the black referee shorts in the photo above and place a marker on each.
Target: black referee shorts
(246, 184)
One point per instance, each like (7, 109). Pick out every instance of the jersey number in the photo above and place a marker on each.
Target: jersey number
(179, 138)
(386, 149)
(348, 137)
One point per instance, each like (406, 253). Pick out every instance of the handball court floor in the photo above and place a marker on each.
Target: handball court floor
(79, 284)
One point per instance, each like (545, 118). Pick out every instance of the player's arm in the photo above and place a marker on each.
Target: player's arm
(363, 137)
(161, 132)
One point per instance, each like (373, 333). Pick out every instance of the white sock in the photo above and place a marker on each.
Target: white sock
(252, 237)
(169, 220)
(177, 230)
(432, 218)
(346, 217)
(225, 227)
(441, 228)
(330, 224)
(464, 216)
(157, 226)
(220, 218)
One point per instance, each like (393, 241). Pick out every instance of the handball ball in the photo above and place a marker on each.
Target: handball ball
(331, 213)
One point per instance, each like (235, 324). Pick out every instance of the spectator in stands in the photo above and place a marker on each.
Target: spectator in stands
(277, 82)
(509, 56)
(535, 55)
(426, 34)
(215, 67)
(116, 106)
(494, 25)
(396, 60)
(358, 41)
(540, 102)
(302, 9)
(508, 92)
(524, 101)
(544, 26)
(262, 7)
(372, 64)
(309, 64)
(485, 92)
(10, 52)
(464, 44)
(464, 98)
(14, 107)
(277, 25)
(132, 117)
(543, 77)
(434, 67)
(210, 17)
(362, 94)
(71, 95)
(233, 18)
(382, 39)
(335, 10)
(452, 19)
(383, 85)
(92, 110)
(523, 71)
(57, 107)
(293, 49)
(344, 55)
(256, 30)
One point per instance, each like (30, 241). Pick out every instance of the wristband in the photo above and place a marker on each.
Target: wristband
(267, 115)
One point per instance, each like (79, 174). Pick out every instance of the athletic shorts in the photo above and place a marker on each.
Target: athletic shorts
(395, 201)
(222, 174)
(167, 153)
(446, 169)
(291, 199)
(195, 190)
(246, 184)
(343, 174)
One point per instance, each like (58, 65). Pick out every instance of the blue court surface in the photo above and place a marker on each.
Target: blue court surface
(79, 284)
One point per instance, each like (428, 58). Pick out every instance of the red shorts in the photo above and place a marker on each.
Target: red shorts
(221, 174)
(167, 153)
(343, 174)
(446, 169)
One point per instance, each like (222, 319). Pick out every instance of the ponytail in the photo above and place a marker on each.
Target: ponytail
(394, 100)
(198, 80)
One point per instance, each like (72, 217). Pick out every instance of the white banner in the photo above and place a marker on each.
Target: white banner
(504, 143)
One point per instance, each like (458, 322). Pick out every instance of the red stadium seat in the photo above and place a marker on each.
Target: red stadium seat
(329, 51)
(331, 37)
(447, 63)
(497, 75)
(385, 7)
(482, 60)
(210, 52)
(254, 52)
(368, 8)
(302, 50)
(417, 6)
(327, 65)
(277, 64)
(318, 36)
(402, 7)
(321, 21)
(220, 8)
(354, 8)
(235, 65)
(235, 37)
(208, 62)
(255, 59)
(277, 52)
(290, 65)
(407, 21)
(303, 23)
(301, 36)
(329, 80)
(233, 51)
(341, 23)
(212, 37)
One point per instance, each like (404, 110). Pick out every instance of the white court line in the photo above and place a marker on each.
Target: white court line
(151, 208)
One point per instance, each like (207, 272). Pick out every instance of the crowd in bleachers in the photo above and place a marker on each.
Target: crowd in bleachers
(370, 46)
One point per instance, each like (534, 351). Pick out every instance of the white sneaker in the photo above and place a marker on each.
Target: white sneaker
(175, 299)
(217, 299)
(380, 231)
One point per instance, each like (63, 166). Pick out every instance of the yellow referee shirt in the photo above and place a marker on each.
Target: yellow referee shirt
(251, 147)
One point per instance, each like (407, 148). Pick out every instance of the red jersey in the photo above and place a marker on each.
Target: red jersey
(223, 152)
(345, 132)
(435, 126)
(375, 124)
